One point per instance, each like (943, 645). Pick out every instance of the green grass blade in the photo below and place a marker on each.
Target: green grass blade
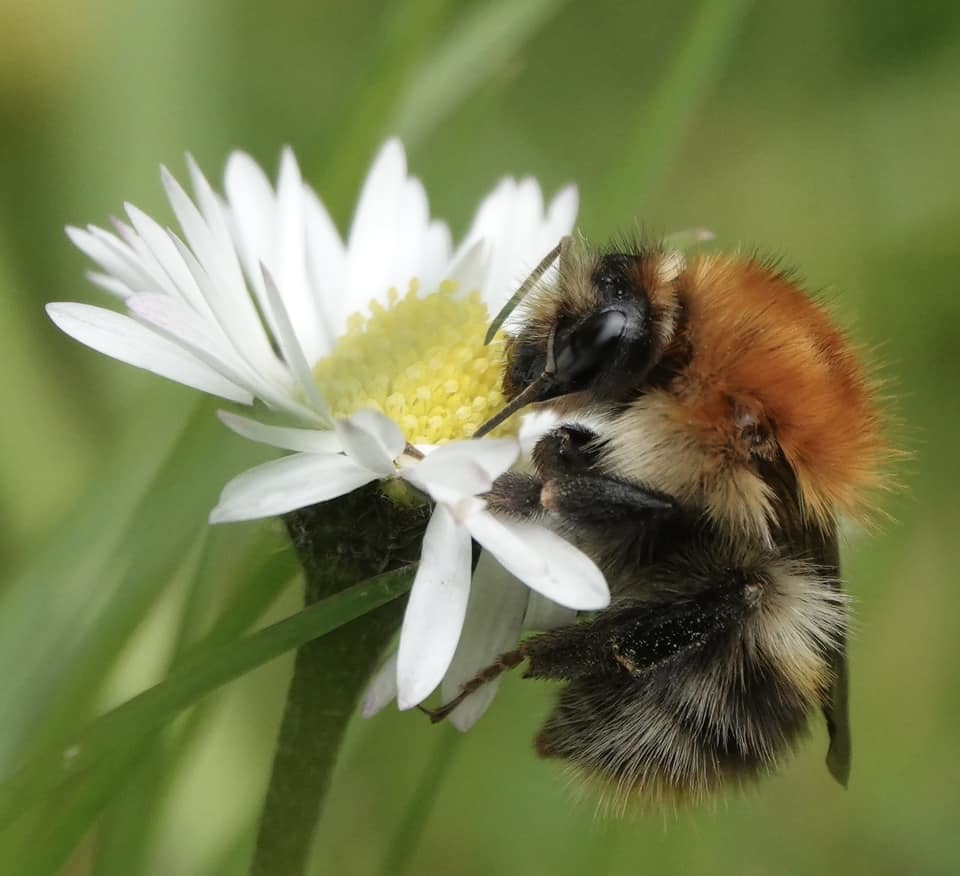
(694, 70)
(407, 27)
(159, 536)
(270, 575)
(130, 788)
(409, 831)
(44, 605)
(478, 47)
(139, 797)
(204, 671)
(59, 829)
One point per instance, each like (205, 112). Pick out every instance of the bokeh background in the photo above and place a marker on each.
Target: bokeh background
(823, 132)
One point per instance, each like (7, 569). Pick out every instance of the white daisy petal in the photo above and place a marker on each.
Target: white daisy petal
(435, 612)
(387, 433)
(293, 353)
(273, 382)
(286, 484)
(372, 439)
(545, 614)
(126, 339)
(411, 236)
(382, 689)
(291, 257)
(505, 544)
(112, 254)
(493, 222)
(494, 615)
(573, 579)
(109, 284)
(437, 246)
(179, 323)
(511, 219)
(542, 560)
(326, 267)
(371, 247)
(223, 263)
(451, 482)
(515, 246)
(182, 325)
(285, 437)
(468, 268)
(464, 468)
(215, 269)
(253, 213)
(154, 276)
(168, 258)
(494, 455)
(489, 215)
(561, 216)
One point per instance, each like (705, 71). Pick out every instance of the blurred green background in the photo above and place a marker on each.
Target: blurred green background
(823, 132)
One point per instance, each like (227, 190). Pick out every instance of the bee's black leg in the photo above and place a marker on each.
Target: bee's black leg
(631, 638)
(570, 483)
(567, 450)
(596, 500)
(582, 500)
(517, 495)
(502, 664)
(635, 637)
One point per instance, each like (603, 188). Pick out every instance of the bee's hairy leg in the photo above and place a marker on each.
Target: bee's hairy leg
(570, 483)
(566, 450)
(585, 500)
(516, 494)
(564, 654)
(503, 663)
(577, 488)
(632, 638)
(596, 500)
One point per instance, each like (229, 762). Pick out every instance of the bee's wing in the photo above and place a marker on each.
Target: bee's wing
(838, 723)
(827, 555)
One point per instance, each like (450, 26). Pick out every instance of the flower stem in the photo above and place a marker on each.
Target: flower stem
(339, 543)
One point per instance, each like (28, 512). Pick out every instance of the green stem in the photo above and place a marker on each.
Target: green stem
(406, 837)
(339, 543)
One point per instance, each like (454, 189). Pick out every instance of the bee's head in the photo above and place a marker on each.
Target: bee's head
(598, 330)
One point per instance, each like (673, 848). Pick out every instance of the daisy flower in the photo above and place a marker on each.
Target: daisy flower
(372, 346)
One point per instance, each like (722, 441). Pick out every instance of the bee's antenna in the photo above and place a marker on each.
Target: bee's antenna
(531, 394)
(526, 397)
(525, 287)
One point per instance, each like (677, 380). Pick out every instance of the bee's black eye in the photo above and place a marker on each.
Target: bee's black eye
(589, 346)
(606, 349)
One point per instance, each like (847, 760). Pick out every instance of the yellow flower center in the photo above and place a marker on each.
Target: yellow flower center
(421, 361)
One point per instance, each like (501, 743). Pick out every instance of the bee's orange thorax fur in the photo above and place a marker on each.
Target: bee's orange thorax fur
(766, 358)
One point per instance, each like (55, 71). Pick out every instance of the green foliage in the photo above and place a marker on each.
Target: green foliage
(822, 132)
(210, 666)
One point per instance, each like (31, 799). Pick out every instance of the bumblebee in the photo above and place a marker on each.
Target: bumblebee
(715, 423)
